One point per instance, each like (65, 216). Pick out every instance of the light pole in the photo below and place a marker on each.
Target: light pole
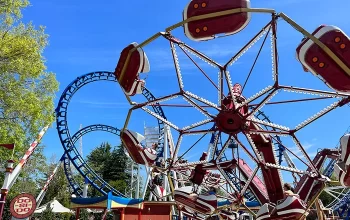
(8, 171)
(4, 189)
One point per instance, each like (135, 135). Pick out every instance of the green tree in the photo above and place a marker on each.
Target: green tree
(116, 166)
(27, 181)
(48, 213)
(11, 10)
(27, 90)
(58, 188)
(98, 157)
(113, 166)
(325, 197)
(84, 214)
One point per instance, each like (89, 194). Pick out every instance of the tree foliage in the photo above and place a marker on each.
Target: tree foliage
(10, 10)
(27, 89)
(113, 166)
(58, 187)
(27, 92)
(48, 213)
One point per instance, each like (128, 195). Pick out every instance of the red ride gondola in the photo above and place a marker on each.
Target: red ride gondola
(158, 191)
(139, 154)
(207, 28)
(198, 173)
(290, 208)
(138, 63)
(190, 214)
(204, 204)
(308, 186)
(342, 168)
(315, 60)
(257, 186)
(229, 215)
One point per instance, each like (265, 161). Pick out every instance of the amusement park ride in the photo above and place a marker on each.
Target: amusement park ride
(222, 183)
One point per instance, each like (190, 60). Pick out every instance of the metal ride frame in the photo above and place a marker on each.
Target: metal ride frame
(75, 186)
(281, 154)
(341, 202)
(66, 139)
(102, 76)
(276, 86)
(270, 91)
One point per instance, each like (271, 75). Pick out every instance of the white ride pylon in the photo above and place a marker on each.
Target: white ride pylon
(165, 151)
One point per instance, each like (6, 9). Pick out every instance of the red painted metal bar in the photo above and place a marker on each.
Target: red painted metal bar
(200, 69)
(245, 149)
(293, 100)
(199, 131)
(104, 216)
(279, 142)
(140, 105)
(305, 153)
(268, 132)
(262, 103)
(198, 106)
(274, 41)
(313, 90)
(256, 59)
(180, 105)
(77, 213)
(251, 105)
(245, 46)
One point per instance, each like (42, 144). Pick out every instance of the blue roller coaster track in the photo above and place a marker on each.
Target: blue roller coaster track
(67, 140)
(72, 155)
(343, 205)
(77, 190)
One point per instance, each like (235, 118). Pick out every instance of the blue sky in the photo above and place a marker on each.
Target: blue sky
(87, 36)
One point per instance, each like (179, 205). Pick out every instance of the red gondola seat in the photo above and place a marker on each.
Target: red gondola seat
(139, 154)
(342, 167)
(206, 29)
(289, 208)
(315, 60)
(204, 204)
(138, 63)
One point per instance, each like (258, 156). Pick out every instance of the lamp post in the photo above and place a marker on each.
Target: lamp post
(7, 181)
(4, 189)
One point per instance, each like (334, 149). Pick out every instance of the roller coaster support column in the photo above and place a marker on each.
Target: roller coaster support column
(86, 187)
(148, 171)
(165, 157)
(5, 187)
(132, 177)
(42, 193)
(138, 182)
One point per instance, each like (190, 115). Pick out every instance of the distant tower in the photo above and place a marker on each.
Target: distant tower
(151, 135)
(81, 142)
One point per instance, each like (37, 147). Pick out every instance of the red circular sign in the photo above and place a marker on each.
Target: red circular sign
(23, 206)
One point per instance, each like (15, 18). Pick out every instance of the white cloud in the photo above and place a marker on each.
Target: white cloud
(190, 155)
(161, 58)
(85, 56)
(297, 152)
(107, 117)
(97, 104)
(277, 3)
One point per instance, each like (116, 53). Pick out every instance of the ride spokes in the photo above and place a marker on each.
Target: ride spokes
(245, 153)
